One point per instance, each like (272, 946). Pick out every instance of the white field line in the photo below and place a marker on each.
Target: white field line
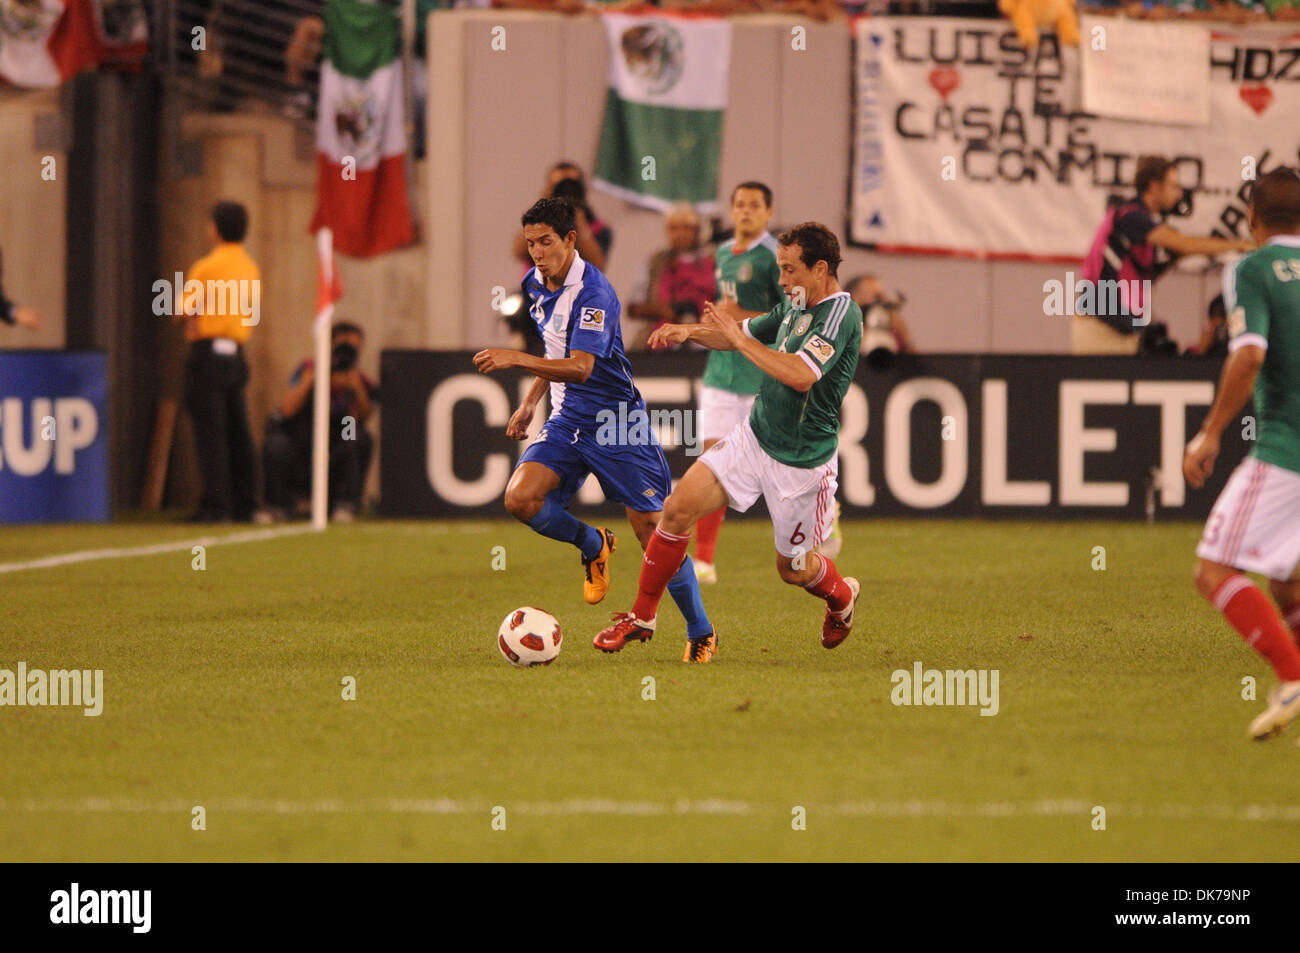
(578, 807)
(252, 536)
(88, 555)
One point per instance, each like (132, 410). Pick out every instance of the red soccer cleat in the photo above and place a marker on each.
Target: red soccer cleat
(626, 627)
(837, 625)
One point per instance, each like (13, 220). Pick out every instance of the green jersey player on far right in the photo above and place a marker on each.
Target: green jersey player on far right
(1255, 523)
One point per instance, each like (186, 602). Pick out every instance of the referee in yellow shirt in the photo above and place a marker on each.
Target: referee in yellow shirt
(222, 298)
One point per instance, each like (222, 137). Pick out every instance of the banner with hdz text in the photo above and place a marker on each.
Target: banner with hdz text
(964, 142)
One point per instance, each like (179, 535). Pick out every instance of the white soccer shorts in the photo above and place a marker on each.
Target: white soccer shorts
(721, 411)
(801, 502)
(1255, 523)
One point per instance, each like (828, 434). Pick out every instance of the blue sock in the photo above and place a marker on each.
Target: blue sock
(685, 590)
(558, 523)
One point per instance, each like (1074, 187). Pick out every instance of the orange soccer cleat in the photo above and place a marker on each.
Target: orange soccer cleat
(596, 584)
(702, 649)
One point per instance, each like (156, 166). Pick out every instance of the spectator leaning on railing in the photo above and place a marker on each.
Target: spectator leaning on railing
(816, 9)
(1134, 246)
(1230, 11)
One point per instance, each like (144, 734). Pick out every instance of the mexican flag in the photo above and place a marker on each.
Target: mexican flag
(44, 43)
(360, 133)
(662, 134)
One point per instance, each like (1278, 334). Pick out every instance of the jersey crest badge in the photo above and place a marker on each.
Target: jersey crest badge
(819, 350)
(802, 326)
(745, 272)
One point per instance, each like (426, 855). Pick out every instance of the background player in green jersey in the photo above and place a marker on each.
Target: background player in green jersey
(786, 451)
(748, 284)
(1255, 523)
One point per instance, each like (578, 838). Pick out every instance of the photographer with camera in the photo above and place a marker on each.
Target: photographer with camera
(1134, 245)
(286, 455)
(884, 333)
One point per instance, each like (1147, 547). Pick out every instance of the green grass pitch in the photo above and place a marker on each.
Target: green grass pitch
(1119, 689)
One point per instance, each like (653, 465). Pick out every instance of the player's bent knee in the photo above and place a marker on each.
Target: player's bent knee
(789, 574)
(1207, 576)
(521, 504)
(643, 525)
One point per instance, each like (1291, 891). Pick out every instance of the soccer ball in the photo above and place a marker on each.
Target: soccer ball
(529, 636)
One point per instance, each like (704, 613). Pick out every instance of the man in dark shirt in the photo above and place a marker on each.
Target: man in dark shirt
(1139, 248)
(286, 456)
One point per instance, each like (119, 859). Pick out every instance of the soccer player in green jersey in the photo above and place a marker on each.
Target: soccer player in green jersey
(748, 284)
(786, 451)
(1255, 523)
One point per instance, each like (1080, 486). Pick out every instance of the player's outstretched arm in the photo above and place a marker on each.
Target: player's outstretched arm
(1170, 239)
(709, 331)
(668, 334)
(790, 369)
(1235, 385)
(574, 369)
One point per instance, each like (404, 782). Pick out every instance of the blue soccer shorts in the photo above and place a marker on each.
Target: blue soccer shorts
(634, 473)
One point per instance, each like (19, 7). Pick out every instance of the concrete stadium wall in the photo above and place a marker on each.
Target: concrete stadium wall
(33, 229)
(498, 119)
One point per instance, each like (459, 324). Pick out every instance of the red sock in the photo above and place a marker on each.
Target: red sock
(706, 534)
(1255, 618)
(828, 585)
(663, 557)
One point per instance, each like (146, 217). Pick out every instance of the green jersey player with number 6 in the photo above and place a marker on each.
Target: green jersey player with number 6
(785, 451)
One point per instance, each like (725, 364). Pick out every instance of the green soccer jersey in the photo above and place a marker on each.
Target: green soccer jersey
(1261, 294)
(752, 279)
(802, 430)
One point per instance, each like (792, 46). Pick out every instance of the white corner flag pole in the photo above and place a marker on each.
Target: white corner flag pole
(320, 391)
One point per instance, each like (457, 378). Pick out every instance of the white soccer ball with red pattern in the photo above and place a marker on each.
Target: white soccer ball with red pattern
(529, 636)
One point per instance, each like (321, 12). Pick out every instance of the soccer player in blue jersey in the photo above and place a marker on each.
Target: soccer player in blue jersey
(577, 312)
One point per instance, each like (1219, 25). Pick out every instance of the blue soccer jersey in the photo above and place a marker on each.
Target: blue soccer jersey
(578, 438)
(583, 315)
